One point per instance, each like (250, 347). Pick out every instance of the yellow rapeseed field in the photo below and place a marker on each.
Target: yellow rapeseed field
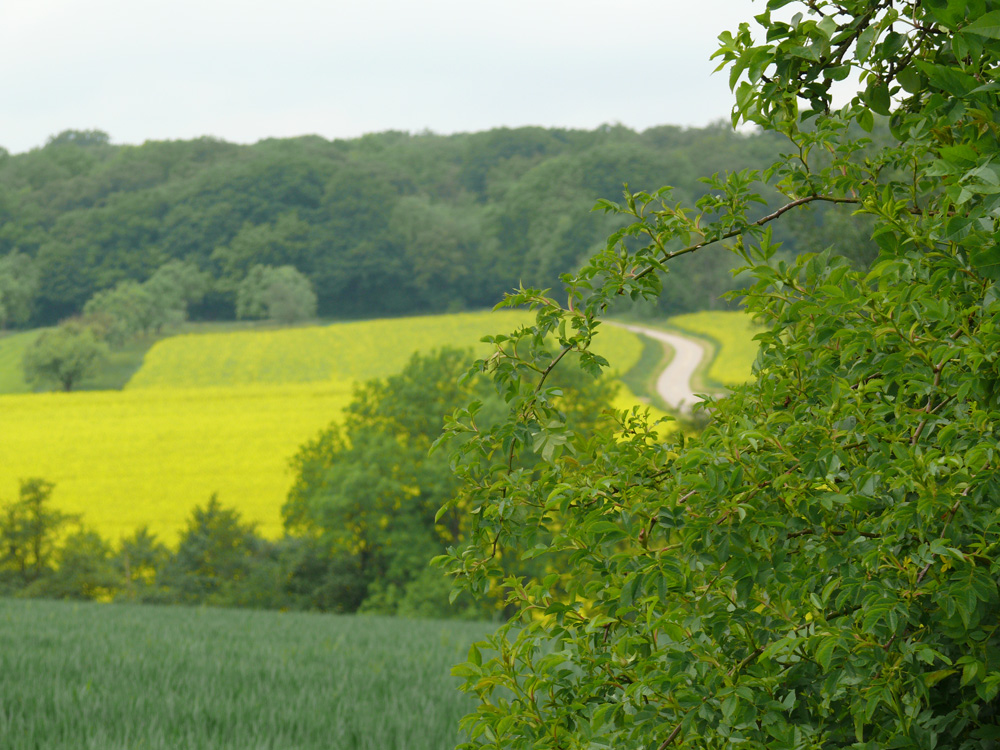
(343, 352)
(129, 458)
(732, 333)
(220, 413)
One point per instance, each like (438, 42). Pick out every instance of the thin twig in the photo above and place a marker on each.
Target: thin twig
(759, 223)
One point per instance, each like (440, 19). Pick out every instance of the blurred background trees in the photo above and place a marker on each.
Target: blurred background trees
(386, 224)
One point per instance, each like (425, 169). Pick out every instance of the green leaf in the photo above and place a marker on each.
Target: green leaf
(600, 715)
(729, 706)
(909, 78)
(474, 656)
(948, 79)
(987, 262)
(825, 651)
(866, 120)
(987, 25)
(876, 96)
(933, 678)
(961, 153)
(466, 670)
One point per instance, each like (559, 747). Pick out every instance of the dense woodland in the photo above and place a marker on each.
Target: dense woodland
(386, 224)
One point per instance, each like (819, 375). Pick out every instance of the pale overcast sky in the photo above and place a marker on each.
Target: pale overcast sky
(243, 70)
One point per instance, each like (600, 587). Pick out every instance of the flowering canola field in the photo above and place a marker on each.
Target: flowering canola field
(130, 458)
(732, 332)
(343, 352)
(219, 413)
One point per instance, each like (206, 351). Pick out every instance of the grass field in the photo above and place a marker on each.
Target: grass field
(12, 348)
(149, 454)
(732, 334)
(112, 677)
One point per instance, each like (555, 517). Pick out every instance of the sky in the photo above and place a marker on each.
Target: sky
(243, 71)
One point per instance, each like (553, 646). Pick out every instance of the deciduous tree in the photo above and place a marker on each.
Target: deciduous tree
(367, 490)
(29, 531)
(18, 286)
(82, 569)
(281, 294)
(214, 557)
(64, 355)
(173, 288)
(122, 312)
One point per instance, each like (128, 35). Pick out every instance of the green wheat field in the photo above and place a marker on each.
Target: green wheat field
(117, 676)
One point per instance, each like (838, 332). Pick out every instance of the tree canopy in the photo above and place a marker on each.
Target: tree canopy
(18, 287)
(64, 355)
(366, 490)
(281, 294)
(819, 567)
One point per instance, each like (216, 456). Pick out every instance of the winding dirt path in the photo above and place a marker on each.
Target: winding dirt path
(674, 383)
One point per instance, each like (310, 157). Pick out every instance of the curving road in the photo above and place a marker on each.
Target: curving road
(674, 383)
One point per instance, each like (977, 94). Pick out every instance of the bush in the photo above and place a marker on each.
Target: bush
(818, 569)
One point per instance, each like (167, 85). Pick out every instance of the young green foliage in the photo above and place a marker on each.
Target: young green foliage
(819, 567)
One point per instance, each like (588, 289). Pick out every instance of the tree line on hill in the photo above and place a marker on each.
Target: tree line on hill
(361, 519)
(385, 224)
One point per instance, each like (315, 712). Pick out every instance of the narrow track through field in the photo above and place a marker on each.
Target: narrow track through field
(674, 383)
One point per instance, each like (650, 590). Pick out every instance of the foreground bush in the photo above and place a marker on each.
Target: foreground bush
(819, 568)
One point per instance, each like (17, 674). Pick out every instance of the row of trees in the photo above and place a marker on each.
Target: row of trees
(218, 560)
(131, 309)
(384, 224)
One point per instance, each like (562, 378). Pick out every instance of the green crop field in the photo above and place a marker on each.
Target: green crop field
(104, 676)
(219, 412)
(12, 348)
(732, 334)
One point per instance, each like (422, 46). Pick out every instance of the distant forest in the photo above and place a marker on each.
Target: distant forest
(385, 224)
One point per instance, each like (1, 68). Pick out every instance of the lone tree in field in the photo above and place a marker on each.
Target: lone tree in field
(64, 355)
(819, 568)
